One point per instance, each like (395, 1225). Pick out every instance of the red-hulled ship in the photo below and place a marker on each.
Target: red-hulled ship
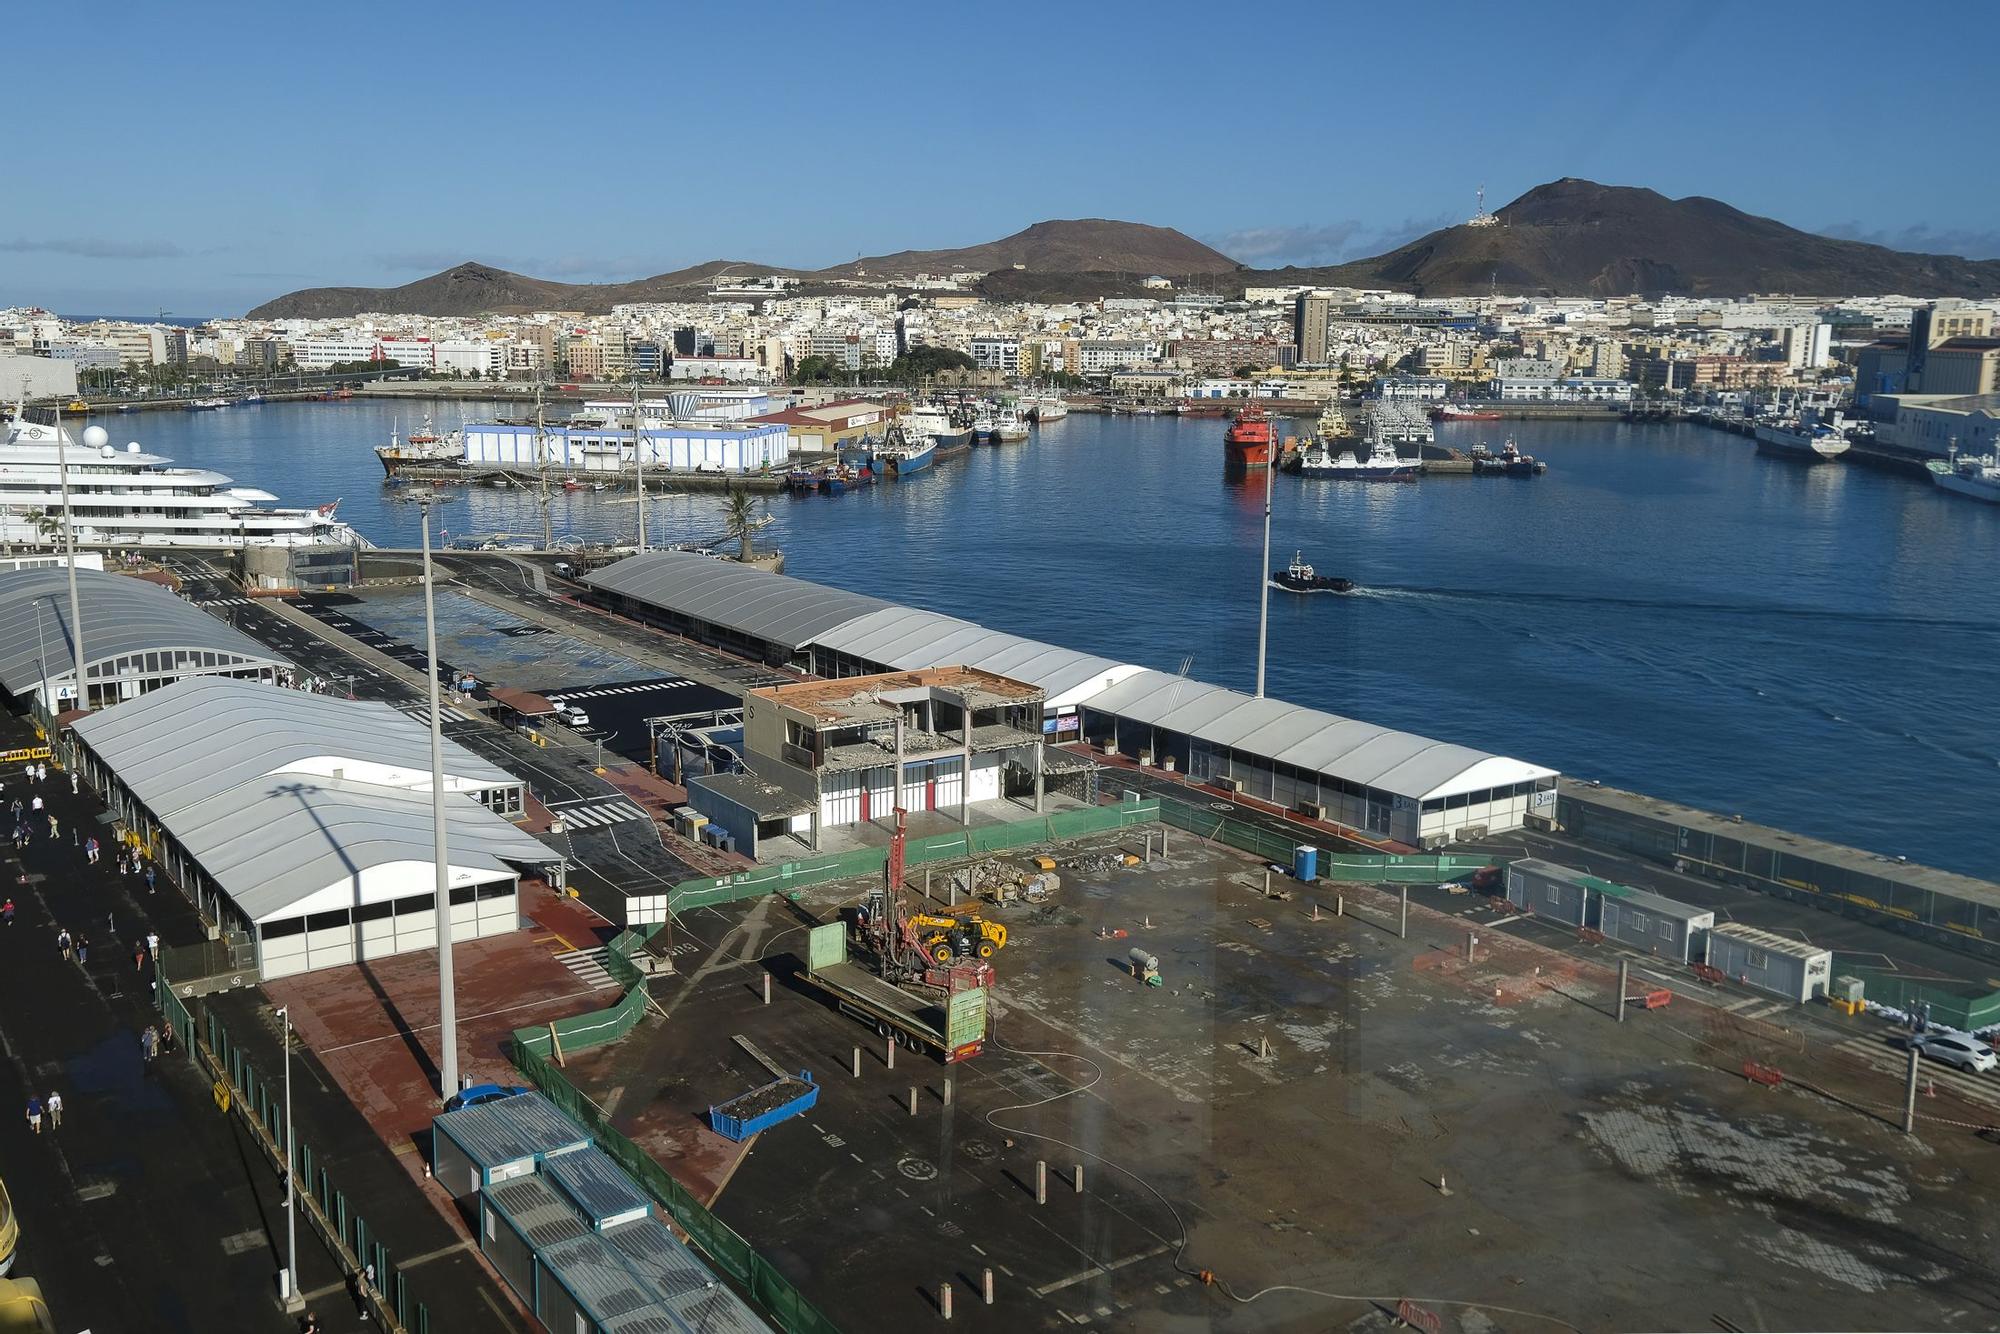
(1248, 439)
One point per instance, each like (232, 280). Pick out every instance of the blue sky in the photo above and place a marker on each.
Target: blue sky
(205, 157)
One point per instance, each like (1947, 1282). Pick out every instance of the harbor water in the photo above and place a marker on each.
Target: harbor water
(1664, 610)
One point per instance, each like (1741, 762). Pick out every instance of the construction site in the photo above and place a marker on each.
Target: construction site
(1146, 1080)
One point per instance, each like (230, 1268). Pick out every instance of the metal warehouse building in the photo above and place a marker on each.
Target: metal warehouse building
(302, 824)
(1406, 787)
(138, 636)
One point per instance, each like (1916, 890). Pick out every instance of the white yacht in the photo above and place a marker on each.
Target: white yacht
(129, 498)
(1977, 476)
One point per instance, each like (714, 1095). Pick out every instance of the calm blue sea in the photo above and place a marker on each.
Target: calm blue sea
(1663, 610)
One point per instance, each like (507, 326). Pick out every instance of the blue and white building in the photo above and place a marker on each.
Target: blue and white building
(669, 445)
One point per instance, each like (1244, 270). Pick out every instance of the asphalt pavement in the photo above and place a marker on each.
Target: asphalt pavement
(148, 1208)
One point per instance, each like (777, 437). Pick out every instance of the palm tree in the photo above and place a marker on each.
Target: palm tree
(47, 526)
(740, 514)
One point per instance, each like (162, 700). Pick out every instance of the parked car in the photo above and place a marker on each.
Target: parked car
(1967, 1053)
(574, 716)
(479, 1093)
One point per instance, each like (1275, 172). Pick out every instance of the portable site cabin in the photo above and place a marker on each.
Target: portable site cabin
(582, 1284)
(498, 1141)
(597, 1188)
(689, 1289)
(1549, 890)
(1654, 923)
(1770, 962)
(516, 1219)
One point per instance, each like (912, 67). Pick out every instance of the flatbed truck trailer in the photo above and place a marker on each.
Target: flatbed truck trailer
(952, 1028)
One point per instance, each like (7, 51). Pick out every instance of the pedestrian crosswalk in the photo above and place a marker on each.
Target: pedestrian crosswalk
(645, 687)
(588, 965)
(1874, 1051)
(225, 602)
(1756, 1007)
(590, 815)
(447, 712)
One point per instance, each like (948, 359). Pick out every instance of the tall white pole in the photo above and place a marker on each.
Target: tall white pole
(1264, 572)
(289, 1289)
(447, 1000)
(639, 461)
(69, 528)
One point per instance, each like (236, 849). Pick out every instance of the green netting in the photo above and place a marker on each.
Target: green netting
(1363, 868)
(978, 842)
(1961, 1005)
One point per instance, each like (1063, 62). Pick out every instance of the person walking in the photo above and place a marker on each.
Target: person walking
(41, 774)
(7, 913)
(149, 1043)
(63, 943)
(139, 957)
(153, 943)
(82, 950)
(55, 1110)
(28, 772)
(34, 1114)
(16, 808)
(53, 828)
(90, 849)
(149, 879)
(35, 806)
(74, 786)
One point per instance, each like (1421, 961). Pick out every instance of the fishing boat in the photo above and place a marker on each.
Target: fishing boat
(1813, 436)
(951, 433)
(1299, 577)
(1383, 464)
(1247, 442)
(899, 456)
(1047, 408)
(425, 447)
(1009, 428)
(1972, 475)
(983, 424)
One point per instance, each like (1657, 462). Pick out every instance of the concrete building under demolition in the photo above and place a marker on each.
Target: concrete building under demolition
(301, 824)
(1393, 784)
(853, 750)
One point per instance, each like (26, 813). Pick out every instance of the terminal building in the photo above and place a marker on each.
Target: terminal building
(301, 824)
(1393, 784)
(683, 438)
(137, 635)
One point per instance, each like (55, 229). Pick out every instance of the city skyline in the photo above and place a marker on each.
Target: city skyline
(287, 155)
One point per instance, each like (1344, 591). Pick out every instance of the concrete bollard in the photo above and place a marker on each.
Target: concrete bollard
(857, 1062)
(891, 1058)
(1624, 972)
(1471, 944)
(1041, 1181)
(944, 1300)
(1263, 1048)
(913, 1102)
(1442, 1188)
(927, 882)
(1340, 906)
(1403, 918)
(947, 1092)
(1163, 842)
(1267, 882)
(986, 1285)
(767, 988)
(1315, 912)
(1076, 1178)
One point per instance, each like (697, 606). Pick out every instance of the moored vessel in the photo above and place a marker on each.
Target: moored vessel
(1383, 463)
(1459, 412)
(1813, 436)
(1509, 462)
(1247, 442)
(1977, 476)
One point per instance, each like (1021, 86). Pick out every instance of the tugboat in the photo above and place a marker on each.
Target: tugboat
(1248, 439)
(1509, 462)
(1298, 577)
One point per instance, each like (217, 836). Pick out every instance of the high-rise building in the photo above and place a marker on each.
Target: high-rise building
(1310, 315)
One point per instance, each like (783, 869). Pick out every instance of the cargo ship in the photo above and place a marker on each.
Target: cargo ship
(1248, 439)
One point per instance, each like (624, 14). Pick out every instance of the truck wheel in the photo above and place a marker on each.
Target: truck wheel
(881, 1029)
(942, 953)
(985, 949)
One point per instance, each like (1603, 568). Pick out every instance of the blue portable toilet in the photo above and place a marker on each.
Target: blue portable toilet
(1305, 862)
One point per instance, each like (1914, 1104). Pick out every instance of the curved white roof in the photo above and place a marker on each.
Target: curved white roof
(282, 847)
(1379, 757)
(184, 743)
(905, 638)
(786, 611)
(121, 615)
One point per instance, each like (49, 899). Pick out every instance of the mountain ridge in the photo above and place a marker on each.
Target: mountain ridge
(1569, 237)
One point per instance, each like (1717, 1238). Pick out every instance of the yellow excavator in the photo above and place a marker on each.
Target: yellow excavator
(946, 937)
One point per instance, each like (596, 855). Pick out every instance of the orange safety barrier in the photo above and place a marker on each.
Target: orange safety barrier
(1768, 1076)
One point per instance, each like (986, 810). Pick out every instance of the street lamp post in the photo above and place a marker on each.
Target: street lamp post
(447, 1001)
(94, 437)
(288, 1277)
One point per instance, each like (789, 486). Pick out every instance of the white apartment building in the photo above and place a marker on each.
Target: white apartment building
(477, 356)
(996, 352)
(1808, 346)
